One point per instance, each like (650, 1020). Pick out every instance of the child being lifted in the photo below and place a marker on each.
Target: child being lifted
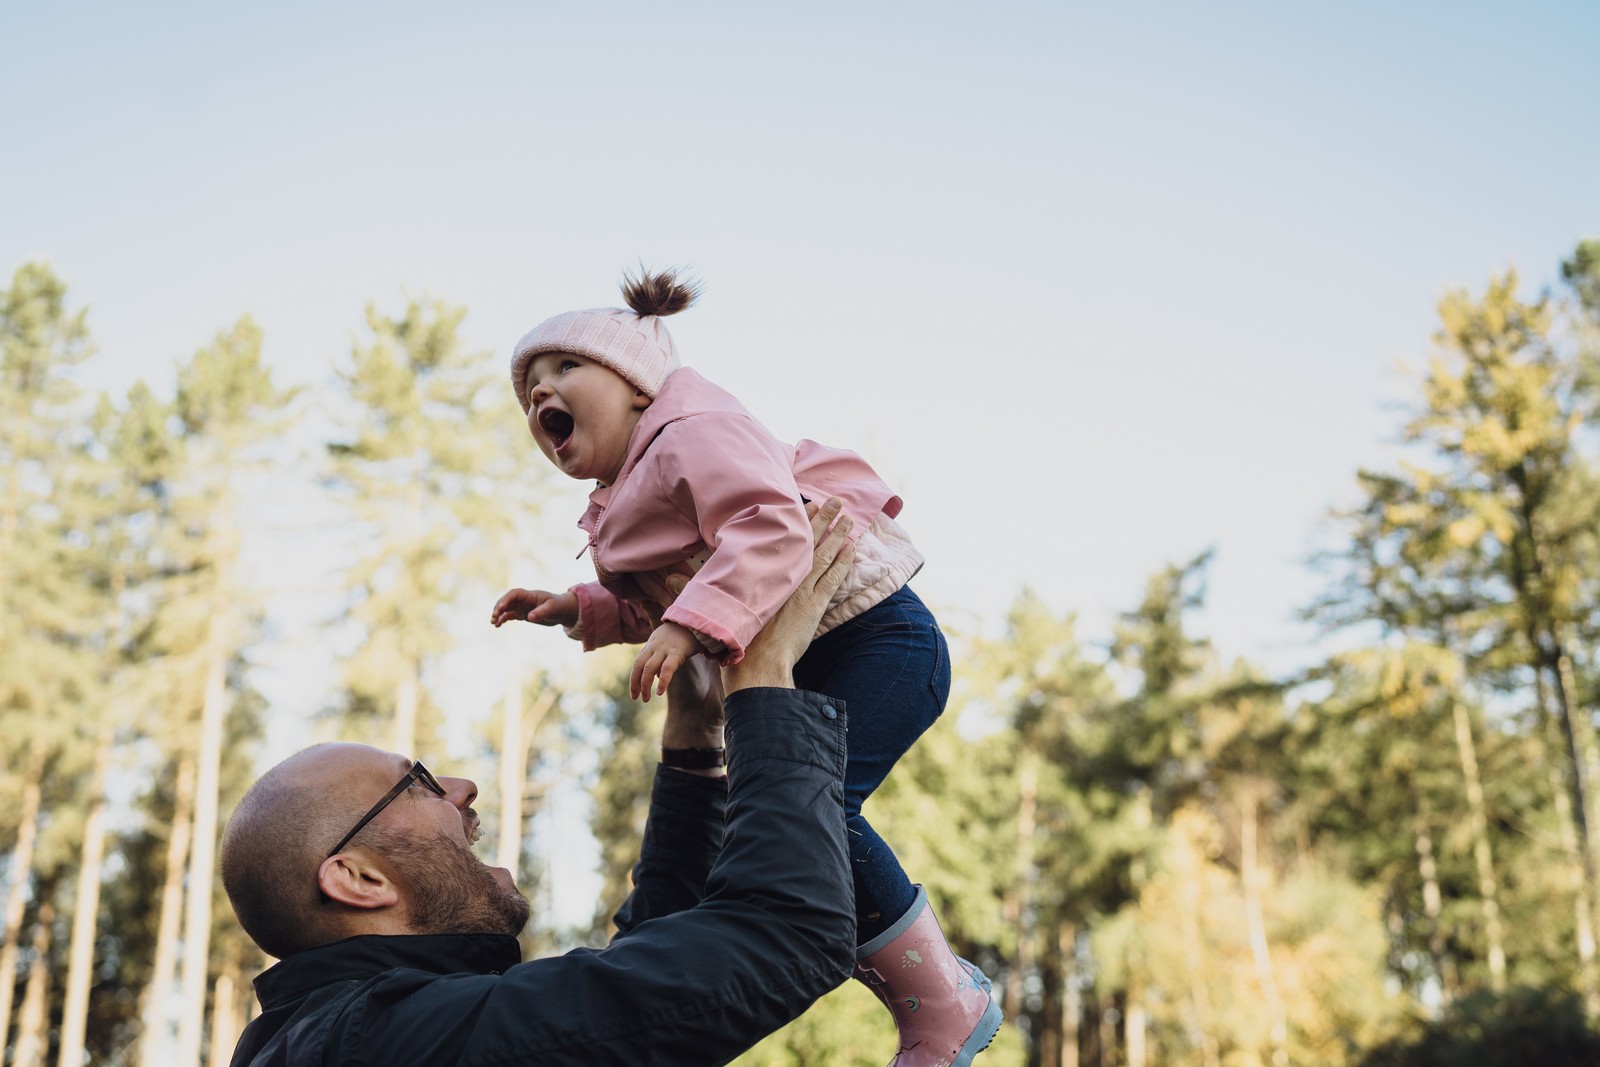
(698, 530)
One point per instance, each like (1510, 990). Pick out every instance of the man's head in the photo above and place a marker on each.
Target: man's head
(410, 870)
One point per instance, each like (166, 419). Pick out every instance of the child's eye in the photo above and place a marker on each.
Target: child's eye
(568, 364)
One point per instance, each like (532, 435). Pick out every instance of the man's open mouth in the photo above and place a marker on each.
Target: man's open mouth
(557, 426)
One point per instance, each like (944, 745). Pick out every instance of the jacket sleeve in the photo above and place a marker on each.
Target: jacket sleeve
(682, 840)
(698, 973)
(607, 619)
(733, 479)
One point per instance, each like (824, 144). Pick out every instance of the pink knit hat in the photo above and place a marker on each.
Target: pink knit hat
(638, 347)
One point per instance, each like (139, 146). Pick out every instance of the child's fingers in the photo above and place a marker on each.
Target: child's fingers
(669, 667)
(544, 612)
(497, 614)
(637, 675)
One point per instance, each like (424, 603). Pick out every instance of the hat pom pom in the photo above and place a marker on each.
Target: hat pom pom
(659, 293)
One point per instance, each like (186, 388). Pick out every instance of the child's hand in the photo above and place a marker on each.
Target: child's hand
(669, 646)
(536, 605)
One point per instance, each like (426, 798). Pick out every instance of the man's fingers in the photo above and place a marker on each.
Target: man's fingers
(832, 578)
(829, 547)
(821, 515)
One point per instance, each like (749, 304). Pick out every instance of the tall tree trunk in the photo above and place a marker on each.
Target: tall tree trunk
(1568, 793)
(8, 530)
(80, 968)
(202, 856)
(513, 766)
(1584, 739)
(17, 891)
(225, 1021)
(408, 695)
(1579, 759)
(1433, 908)
(155, 1043)
(1108, 1035)
(1133, 1029)
(408, 687)
(32, 1036)
(1071, 995)
(1017, 903)
(1483, 857)
(1134, 1016)
(521, 729)
(1201, 1011)
(1251, 879)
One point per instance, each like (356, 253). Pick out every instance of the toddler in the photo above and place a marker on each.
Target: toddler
(698, 530)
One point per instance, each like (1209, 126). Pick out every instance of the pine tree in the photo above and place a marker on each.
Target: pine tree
(1484, 543)
(424, 426)
(45, 680)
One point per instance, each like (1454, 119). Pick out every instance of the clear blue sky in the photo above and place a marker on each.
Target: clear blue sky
(1098, 286)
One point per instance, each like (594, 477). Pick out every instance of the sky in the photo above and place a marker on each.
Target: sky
(1096, 287)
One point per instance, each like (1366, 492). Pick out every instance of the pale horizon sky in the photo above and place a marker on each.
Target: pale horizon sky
(1096, 287)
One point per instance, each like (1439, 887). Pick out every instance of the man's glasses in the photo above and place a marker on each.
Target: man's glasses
(418, 774)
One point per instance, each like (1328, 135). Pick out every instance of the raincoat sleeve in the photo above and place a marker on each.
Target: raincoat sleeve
(606, 619)
(735, 482)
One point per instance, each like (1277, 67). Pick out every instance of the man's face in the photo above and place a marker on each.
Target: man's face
(427, 840)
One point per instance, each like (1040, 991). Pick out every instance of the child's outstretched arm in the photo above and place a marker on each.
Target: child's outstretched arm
(536, 605)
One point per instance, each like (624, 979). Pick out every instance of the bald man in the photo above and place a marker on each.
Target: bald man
(398, 945)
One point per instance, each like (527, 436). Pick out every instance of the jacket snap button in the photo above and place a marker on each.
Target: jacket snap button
(829, 712)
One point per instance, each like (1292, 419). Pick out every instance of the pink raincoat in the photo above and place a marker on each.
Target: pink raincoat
(708, 493)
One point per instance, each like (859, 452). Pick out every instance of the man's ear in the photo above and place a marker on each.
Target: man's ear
(351, 880)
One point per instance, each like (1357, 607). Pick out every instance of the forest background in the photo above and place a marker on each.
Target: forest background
(1256, 483)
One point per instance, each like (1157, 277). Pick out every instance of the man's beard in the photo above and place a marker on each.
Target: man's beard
(451, 891)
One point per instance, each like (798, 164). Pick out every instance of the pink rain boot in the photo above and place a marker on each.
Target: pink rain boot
(941, 1005)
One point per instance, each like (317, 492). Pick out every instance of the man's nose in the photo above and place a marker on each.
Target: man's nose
(459, 791)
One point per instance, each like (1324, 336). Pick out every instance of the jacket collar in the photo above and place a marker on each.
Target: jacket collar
(356, 958)
(683, 394)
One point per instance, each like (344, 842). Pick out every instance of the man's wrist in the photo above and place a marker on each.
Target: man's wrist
(758, 671)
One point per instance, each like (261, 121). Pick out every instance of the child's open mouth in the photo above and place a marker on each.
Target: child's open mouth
(557, 425)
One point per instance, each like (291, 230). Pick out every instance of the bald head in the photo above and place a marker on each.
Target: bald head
(280, 832)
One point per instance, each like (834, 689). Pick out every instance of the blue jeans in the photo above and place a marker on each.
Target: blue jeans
(891, 668)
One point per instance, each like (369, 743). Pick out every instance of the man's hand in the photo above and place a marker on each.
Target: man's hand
(669, 647)
(770, 658)
(536, 605)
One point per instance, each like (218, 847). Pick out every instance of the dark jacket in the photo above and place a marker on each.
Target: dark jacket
(741, 916)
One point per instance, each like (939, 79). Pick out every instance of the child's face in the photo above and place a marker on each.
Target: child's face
(582, 414)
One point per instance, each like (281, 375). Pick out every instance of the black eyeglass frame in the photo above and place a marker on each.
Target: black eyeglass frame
(418, 774)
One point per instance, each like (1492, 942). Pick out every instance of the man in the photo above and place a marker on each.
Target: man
(398, 945)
